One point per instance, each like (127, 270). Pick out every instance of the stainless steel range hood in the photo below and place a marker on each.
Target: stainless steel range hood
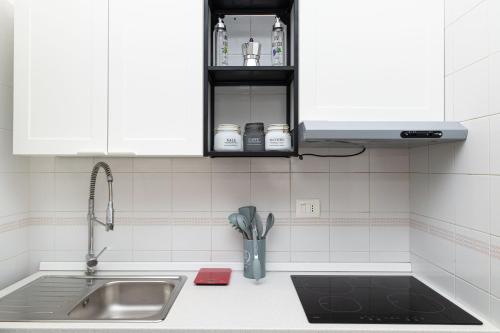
(378, 134)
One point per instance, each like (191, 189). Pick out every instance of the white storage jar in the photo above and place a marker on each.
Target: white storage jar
(228, 138)
(278, 138)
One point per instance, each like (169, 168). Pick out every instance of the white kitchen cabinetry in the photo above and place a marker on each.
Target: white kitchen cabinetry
(60, 77)
(152, 56)
(156, 77)
(371, 60)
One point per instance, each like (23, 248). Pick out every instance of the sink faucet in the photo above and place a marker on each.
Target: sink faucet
(91, 257)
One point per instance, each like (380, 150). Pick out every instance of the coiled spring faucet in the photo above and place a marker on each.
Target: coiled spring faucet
(91, 218)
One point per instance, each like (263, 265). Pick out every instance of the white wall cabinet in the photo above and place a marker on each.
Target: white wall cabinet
(60, 77)
(152, 56)
(371, 60)
(156, 77)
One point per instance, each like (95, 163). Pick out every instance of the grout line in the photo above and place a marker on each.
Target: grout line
(459, 17)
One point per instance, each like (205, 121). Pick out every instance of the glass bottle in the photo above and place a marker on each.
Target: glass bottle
(278, 43)
(220, 47)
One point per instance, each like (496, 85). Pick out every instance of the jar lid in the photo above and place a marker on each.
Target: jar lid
(228, 127)
(278, 127)
(254, 126)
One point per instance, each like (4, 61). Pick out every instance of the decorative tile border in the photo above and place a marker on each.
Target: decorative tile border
(417, 225)
(203, 221)
(6, 227)
(495, 251)
(457, 238)
(350, 222)
(442, 233)
(472, 243)
(390, 222)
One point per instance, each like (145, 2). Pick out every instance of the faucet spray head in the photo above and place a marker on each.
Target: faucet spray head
(110, 217)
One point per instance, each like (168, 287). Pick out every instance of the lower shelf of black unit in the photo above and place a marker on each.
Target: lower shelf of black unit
(251, 153)
(242, 75)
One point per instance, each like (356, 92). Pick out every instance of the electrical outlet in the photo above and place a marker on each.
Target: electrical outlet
(307, 208)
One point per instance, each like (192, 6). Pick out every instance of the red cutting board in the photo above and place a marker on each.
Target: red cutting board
(213, 276)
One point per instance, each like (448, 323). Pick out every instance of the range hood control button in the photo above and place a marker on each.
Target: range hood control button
(421, 134)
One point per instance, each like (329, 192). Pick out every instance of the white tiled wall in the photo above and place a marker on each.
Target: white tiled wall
(455, 188)
(14, 171)
(176, 209)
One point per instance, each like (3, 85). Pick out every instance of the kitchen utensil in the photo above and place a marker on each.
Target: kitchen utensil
(249, 213)
(260, 227)
(234, 223)
(256, 262)
(269, 224)
(233, 220)
(251, 53)
(244, 226)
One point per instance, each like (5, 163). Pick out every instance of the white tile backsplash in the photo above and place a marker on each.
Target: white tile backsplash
(477, 299)
(230, 190)
(495, 266)
(152, 238)
(472, 264)
(153, 165)
(313, 238)
(495, 206)
(473, 155)
(191, 238)
(360, 163)
(419, 159)
(494, 82)
(470, 37)
(271, 191)
(152, 191)
(389, 192)
(454, 242)
(350, 192)
(495, 145)
(473, 202)
(441, 158)
(346, 238)
(470, 95)
(458, 8)
(191, 192)
(389, 160)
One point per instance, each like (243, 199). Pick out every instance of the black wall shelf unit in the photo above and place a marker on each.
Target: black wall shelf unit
(238, 75)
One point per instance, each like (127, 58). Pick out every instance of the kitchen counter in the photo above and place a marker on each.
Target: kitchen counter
(271, 305)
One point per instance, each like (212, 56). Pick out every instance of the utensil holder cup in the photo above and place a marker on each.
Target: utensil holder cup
(249, 258)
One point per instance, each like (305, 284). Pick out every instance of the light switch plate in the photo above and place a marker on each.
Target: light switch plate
(307, 208)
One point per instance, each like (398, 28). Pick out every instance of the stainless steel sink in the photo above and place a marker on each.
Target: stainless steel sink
(97, 298)
(125, 300)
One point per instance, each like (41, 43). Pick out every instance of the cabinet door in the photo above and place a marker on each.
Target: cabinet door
(60, 76)
(156, 84)
(371, 60)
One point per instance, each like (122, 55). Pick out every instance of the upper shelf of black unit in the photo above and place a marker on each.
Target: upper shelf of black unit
(251, 76)
(257, 6)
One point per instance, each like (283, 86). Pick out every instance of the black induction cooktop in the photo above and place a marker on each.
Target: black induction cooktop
(375, 300)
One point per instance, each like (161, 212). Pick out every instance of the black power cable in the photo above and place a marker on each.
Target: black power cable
(363, 149)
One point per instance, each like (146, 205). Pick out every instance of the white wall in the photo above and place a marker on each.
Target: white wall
(176, 209)
(455, 189)
(14, 171)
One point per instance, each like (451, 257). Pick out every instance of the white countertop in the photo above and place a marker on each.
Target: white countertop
(243, 305)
